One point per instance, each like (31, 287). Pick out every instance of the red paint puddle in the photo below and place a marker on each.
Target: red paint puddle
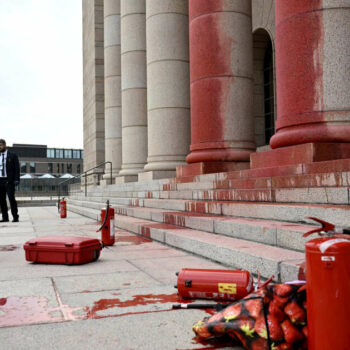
(105, 304)
(7, 248)
(134, 240)
(16, 311)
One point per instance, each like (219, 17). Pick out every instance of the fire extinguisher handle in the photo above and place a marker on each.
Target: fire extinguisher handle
(326, 227)
(106, 216)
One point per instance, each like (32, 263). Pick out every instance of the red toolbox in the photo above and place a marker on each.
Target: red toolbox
(62, 250)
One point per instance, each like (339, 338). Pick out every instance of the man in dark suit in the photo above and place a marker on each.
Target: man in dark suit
(9, 178)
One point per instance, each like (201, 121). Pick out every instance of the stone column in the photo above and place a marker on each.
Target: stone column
(134, 88)
(313, 70)
(221, 63)
(167, 87)
(93, 85)
(113, 142)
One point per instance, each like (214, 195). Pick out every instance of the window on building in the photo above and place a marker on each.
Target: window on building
(69, 168)
(23, 167)
(78, 168)
(50, 153)
(57, 168)
(50, 168)
(76, 154)
(32, 167)
(82, 154)
(59, 153)
(62, 167)
(68, 153)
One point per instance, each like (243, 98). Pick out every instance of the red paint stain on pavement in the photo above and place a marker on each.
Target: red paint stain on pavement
(16, 311)
(134, 240)
(7, 248)
(105, 304)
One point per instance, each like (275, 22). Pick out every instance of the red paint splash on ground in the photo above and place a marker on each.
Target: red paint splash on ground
(105, 304)
(134, 240)
(15, 311)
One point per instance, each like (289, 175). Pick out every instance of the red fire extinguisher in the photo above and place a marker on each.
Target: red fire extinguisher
(214, 284)
(107, 227)
(328, 288)
(63, 209)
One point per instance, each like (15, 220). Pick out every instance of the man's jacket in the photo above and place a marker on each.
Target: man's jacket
(12, 167)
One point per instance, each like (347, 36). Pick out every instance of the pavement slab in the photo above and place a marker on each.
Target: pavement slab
(122, 301)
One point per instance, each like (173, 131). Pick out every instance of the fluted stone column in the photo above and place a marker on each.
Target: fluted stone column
(221, 61)
(113, 142)
(167, 86)
(134, 88)
(313, 70)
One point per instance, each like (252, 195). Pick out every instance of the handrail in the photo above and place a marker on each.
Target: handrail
(85, 174)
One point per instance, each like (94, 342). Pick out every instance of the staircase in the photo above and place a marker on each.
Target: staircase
(252, 219)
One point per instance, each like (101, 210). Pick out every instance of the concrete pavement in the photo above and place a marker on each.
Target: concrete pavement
(122, 301)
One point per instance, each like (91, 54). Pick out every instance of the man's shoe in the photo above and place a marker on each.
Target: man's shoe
(4, 220)
(15, 220)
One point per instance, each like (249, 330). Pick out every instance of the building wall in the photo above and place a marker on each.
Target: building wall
(305, 55)
(42, 166)
(263, 21)
(93, 83)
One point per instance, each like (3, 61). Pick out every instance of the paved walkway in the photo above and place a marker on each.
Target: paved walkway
(122, 301)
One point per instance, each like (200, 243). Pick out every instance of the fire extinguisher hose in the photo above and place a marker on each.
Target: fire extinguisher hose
(106, 216)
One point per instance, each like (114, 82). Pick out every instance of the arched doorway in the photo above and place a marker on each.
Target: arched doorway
(264, 88)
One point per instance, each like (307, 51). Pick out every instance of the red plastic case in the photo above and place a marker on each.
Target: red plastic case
(67, 250)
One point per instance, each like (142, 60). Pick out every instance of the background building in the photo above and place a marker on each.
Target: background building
(38, 160)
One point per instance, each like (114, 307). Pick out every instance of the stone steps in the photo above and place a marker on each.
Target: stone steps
(284, 264)
(286, 212)
(320, 195)
(237, 253)
(246, 219)
(275, 233)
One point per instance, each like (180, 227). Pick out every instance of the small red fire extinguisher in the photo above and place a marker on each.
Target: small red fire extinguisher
(63, 208)
(107, 227)
(214, 284)
(328, 288)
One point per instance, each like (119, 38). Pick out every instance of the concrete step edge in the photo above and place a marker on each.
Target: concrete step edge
(229, 251)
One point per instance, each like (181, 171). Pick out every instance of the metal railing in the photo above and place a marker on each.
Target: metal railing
(85, 175)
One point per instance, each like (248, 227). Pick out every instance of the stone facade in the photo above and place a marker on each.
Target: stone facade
(93, 78)
(212, 83)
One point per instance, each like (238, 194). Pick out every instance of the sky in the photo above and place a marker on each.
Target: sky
(41, 72)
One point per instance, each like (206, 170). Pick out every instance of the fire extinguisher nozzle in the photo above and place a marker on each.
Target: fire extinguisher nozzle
(177, 273)
(175, 286)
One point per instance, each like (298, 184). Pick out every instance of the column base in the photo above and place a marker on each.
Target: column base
(156, 175)
(300, 154)
(125, 179)
(209, 167)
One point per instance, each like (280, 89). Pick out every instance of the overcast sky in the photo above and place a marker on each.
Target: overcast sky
(41, 72)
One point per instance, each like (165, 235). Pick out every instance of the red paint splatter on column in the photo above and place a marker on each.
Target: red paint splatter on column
(299, 66)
